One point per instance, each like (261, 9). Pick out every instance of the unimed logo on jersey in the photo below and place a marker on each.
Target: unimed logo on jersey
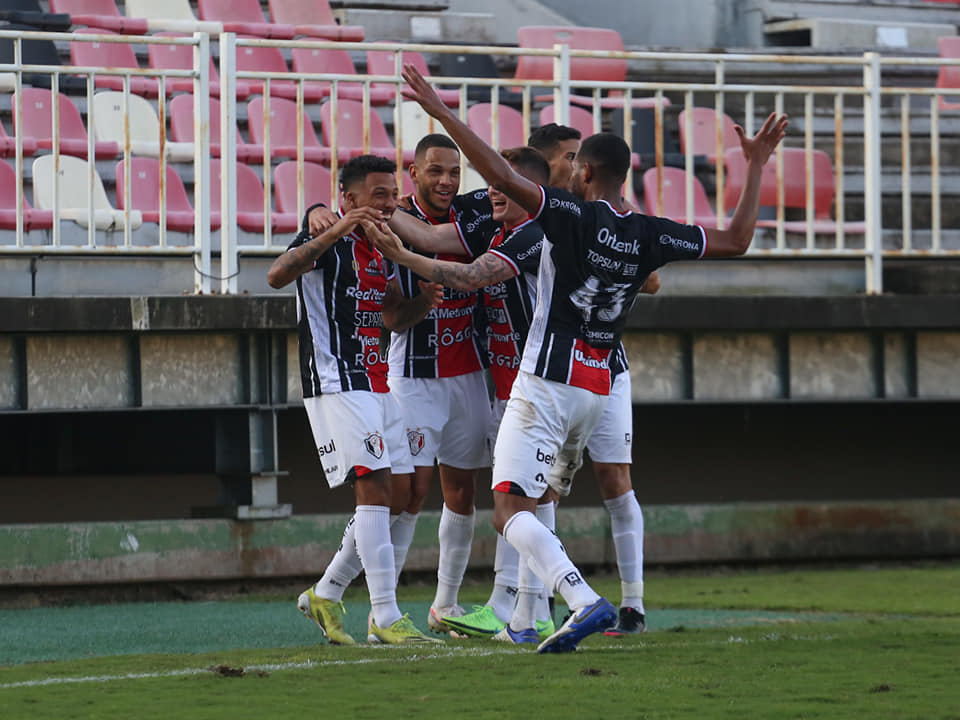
(374, 444)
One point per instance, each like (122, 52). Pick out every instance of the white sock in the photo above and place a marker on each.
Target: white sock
(401, 533)
(626, 523)
(530, 597)
(376, 553)
(545, 554)
(343, 568)
(506, 566)
(547, 514)
(456, 537)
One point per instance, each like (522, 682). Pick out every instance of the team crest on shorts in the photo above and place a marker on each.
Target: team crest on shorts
(374, 444)
(415, 439)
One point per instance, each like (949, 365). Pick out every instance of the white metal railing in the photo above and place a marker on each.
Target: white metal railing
(839, 119)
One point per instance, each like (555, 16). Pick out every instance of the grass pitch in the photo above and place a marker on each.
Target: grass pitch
(815, 643)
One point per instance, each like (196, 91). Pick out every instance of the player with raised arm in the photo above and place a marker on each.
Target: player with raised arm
(594, 261)
(344, 287)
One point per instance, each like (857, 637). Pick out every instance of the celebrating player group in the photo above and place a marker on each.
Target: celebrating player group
(530, 279)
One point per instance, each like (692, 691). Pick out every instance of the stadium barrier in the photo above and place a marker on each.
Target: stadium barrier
(857, 125)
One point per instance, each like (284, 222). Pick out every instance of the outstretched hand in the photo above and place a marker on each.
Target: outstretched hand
(759, 148)
(358, 216)
(423, 92)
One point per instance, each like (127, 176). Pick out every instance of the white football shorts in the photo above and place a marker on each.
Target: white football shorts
(612, 439)
(445, 419)
(542, 436)
(357, 431)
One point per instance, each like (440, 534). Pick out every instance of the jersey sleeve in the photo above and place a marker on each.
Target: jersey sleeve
(521, 249)
(675, 241)
(474, 219)
(560, 214)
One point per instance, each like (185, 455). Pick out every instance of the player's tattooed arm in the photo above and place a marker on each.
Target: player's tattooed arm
(401, 313)
(429, 238)
(301, 259)
(488, 269)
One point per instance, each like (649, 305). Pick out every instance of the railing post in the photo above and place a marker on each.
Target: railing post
(228, 164)
(201, 161)
(872, 169)
(561, 93)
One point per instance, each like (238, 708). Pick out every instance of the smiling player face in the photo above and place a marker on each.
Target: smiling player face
(436, 179)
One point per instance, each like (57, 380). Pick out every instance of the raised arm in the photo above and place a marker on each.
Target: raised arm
(487, 161)
(735, 240)
(485, 270)
(424, 236)
(295, 262)
(401, 313)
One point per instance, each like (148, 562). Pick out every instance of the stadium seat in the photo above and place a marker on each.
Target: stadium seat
(144, 126)
(580, 119)
(350, 124)
(313, 18)
(270, 60)
(181, 129)
(113, 55)
(101, 14)
(470, 65)
(511, 132)
(8, 144)
(949, 75)
(37, 52)
(317, 181)
(178, 10)
(33, 219)
(145, 192)
(704, 137)
(416, 123)
(283, 131)
(644, 140)
(383, 62)
(675, 197)
(30, 14)
(333, 60)
(180, 57)
(249, 195)
(243, 17)
(73, 181)
(532, 67)
(37, 120)
(794, 189)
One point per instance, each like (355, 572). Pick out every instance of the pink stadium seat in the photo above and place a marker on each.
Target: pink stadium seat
(313, 18)
(283, 131)
(331, 60)
(249, 197)
(145, 193)
(244, 17)
(180, 57)
(794, 188)
(949, 75)
(99, 14)
(270, 59)
(383, 62)
(111, 55)
(181, 129)
(33, 219)
(316, 186)
(8, 145)
(350, 124)
(38, 125)
(581, 68)
(580, 118)
(704, 138)
(480, 120)
(675, 197)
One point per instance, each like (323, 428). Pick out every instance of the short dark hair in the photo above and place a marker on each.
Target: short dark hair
(608, 153)
(431, 141)
(546, 137)
(357, 169)
(529, 162)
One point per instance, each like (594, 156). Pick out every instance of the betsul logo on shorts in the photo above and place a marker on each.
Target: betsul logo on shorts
(415, 440)
(374, 445)
(546, 457)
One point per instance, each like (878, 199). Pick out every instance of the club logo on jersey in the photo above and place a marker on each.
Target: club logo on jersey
(373, 267)
(415, 440)
(374, 445)
(679, 243)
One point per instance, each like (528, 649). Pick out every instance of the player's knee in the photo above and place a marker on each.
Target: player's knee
(613, 478)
